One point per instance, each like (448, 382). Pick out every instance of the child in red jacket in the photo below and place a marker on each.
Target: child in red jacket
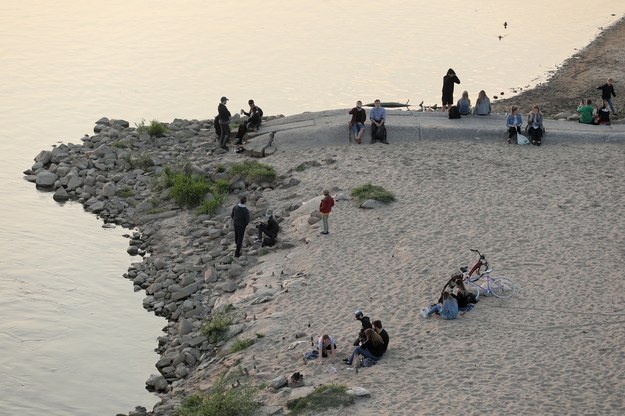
(324, 208)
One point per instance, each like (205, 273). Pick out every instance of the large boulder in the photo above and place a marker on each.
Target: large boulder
(46, 179)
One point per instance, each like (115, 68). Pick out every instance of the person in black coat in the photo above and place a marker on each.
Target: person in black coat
(224, 122)
(607, 92)
(269, 228)
(448, 88)
(240, 218)
(365, 323)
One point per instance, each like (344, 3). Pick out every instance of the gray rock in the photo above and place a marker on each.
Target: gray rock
(156, 382)
(74, 181)
(61, 195)
(109, 189)
(185, 292)
(279, 382)
(46, 179)
(370, 204)
(358, 392)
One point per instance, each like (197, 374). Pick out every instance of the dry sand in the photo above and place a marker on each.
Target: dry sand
(551, 218)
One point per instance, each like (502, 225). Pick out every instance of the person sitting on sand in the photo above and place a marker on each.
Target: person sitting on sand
(372, 347)
(603, 115)
(535, 126)
(514, 123)
(357, 123)
(586, 112)
(377, 327)
(482, 104)
(466, 300)
(448, 309)
(377, 115)
(464, 104)
(269, 228)
(365, 323)
(326, 343)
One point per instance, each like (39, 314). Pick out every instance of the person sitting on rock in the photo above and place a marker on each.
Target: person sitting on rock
(269, 228)
(255, 118)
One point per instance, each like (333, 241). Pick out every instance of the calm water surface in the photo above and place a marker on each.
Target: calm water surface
(74, 337)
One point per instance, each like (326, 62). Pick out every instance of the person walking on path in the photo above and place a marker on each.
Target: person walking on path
(607, 92)
(448, 88)
(224, 122)
(240, 218)
(357, 123)
(325, 207)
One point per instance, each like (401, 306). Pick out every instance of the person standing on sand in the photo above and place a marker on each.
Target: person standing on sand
(224, 122)
(448, 88)
(240, 218)
(325, 207)
(377, 115)
(514, 123)
(607, 92)
(357, 123)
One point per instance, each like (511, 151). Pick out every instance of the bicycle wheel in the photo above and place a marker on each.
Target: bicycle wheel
(502, 287)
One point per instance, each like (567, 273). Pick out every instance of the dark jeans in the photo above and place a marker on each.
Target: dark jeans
(239, 233)
(535, 134)
(225, 133)
(378, 133)
(513, 130)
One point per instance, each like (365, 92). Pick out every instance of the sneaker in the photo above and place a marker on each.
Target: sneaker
(423, 313)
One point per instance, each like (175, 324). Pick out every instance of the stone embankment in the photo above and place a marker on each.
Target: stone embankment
(187, 262)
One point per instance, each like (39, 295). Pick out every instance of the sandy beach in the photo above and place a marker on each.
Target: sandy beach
(552, 220)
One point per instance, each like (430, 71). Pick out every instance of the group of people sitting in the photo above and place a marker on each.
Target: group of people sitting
(371, 344)
(222, 122)
(455, 299)
(377, 115)
(588, 114)
(534, 127)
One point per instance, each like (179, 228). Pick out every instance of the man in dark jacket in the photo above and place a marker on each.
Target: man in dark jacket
(607, 92)
(240, 218)
(365, 322)
(377, 327)
(269, 228)
(224, 123)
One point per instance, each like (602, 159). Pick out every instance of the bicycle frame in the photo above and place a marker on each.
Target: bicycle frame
(501, 287)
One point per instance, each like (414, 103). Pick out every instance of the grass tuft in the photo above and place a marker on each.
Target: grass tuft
(221, 400)
(216, 326)
(253, 171)
(369, 191)
(241, 344)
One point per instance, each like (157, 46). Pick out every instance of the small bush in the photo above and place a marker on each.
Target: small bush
(220, 187)
(221, 400)
(155, 129)
(220, 168)
(216, 326)
(211, 206)
(125, 192)
(252, 171)
(368, 191)
(324, 397)
(241, 344)
(188, 191)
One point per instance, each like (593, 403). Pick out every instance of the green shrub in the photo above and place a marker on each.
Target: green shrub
(220, 187)
(376, 192)
(324, 397)
(211, 206)
(221, 400)
(220, 168)
(252, 171)
(241, 344)
(155, 129)
(188, 191)
(216, 326)
(125, 192)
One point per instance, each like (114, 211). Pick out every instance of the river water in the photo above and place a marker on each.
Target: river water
(74, 337)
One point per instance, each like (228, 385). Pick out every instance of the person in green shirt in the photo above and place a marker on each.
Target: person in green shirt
(586, 112)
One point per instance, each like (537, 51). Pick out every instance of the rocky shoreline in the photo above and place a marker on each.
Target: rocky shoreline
(188, 267)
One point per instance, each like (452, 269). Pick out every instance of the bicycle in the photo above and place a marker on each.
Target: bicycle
(501, 287)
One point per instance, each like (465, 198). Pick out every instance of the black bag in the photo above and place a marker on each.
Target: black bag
(454, 112)
(380, 133)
